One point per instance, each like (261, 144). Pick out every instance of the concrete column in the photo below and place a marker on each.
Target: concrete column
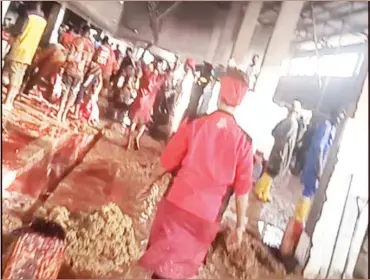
(4, 8)
(214, 41)
(245, 34)
(227, 37)
(54, 22)
(259, 42)
(258, 114)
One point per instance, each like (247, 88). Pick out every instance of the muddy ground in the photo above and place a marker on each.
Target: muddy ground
(132, 169)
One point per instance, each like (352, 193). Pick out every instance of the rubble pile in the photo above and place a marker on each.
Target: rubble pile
(252, 260)
(98, 243)
(9, 223)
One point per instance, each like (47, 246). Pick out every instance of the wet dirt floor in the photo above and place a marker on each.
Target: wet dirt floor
(108, 173)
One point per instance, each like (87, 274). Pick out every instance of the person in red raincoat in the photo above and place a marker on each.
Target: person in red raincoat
(141, 109)
(210, 158)
(106, 58)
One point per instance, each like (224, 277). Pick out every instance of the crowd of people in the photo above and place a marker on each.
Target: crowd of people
(73, 72)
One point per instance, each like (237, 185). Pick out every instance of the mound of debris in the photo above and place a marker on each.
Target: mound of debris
(252, 260)
(9, 223)
(99, 243)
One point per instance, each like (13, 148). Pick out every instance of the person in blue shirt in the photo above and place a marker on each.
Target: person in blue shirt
(318, 151)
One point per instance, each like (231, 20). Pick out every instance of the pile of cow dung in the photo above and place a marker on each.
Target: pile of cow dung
(99, 243)
(251, 260)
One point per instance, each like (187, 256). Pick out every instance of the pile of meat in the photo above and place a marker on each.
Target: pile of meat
(252, 260)
(98, 244)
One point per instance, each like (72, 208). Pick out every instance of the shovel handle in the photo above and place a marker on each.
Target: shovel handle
(28, 215)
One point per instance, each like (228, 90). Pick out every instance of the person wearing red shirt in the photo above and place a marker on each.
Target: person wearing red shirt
(210, 157)
(106, 58)
(66, 38)
(141, 109)
(79, 56)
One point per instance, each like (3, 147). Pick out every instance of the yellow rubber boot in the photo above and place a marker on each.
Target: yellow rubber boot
(302, 209)
(263, 187)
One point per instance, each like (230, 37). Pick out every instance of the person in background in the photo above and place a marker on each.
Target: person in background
(49, 62)
(128, 59)
(118, 53)
(23, 51)
(67, 37)
(141, 109)
(119, 57)
(125, 62)
(124, 93)
(204, 100)
(183, 99)
(79, 56)
(197, 92)
(258, 166)
(253, 71)
(207, 93)
(204, 177)
(321, 142)
(303, 149)
(92, 85)
(296, 166)
(97, 41)
(90, 109)
(105, 57)
(285, 135)
(212, 103)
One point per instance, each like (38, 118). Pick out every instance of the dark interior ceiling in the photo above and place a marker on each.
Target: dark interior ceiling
(331, 18)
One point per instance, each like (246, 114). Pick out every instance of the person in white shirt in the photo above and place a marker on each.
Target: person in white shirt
(183, 99)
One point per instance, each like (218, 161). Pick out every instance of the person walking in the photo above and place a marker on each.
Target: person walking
(23, 51)
(316, 158)
(210, 157)
(183, 99)
(79, 56)
(285, 135)
(141, 109)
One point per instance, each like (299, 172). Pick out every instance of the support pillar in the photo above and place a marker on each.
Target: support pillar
(258, 114)
(55, 20)
(214, 41)
(245, 34)
(4, 8)
(227, 37)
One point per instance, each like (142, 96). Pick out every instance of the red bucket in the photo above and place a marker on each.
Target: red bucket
(291, 237)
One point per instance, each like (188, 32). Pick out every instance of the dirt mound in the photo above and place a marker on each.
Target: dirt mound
(251, 260)
(10, 223)
(99, 243)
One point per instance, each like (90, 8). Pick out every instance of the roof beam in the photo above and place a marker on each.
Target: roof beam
(337, 16)
(309, 36)
(345, 27)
